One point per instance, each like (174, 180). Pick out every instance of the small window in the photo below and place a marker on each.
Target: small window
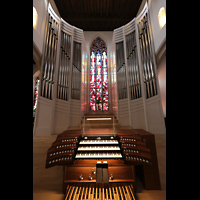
(35, 18)
(162, 17)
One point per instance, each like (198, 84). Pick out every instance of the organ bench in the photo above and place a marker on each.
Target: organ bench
(104, 166)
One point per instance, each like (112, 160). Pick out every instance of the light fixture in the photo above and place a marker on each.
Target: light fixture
(162, 17)
(99, 118)
(35, 18)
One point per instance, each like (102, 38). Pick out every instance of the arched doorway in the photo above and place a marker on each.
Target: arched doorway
(98, 76)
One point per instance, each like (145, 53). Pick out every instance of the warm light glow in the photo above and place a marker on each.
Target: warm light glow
(162, 17)
(99, 118)
(35, 18)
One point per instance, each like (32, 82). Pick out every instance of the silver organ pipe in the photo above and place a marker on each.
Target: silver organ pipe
(76, 72)
(47, 80)
(121, 71)
(133, 70)
(147, 56)
(64, 67)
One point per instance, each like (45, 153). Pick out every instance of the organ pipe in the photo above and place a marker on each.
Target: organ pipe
(47, 81)
(133, 71)
(148, 64)
(121, 71)
(64, 67)
(76, 72)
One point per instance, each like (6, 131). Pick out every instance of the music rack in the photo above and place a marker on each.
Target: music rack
(104, 166)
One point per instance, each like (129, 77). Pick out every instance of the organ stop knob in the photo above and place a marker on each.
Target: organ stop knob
(90, 177)
(111, 177)
(93, 172)
(81, 177)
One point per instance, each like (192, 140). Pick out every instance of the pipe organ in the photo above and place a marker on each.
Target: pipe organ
(62, 64)
(64, 67)
(104, 166)
(101, 166)
(138, 97)
(47, 80)
(144, 35)
(133, 66)
(121, 71)
(76, 71)
(64, 90)
(136, 31)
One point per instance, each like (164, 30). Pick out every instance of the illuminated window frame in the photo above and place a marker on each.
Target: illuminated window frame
(35, 18)
(161, 17)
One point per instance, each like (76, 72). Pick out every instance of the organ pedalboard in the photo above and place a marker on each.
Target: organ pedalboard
(103, 167)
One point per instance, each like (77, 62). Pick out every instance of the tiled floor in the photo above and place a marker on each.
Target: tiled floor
(47, 183)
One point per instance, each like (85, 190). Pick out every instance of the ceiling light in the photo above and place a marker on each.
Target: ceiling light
(99, 118)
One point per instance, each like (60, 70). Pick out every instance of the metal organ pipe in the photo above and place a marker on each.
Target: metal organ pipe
(47, 80)
(55, 38)
(64, 68)
(147, 56)
(145, 46)
(132, 60)
(43, 81)
(49, 61)
(121, 71)
(146, 51)
(141, 26)
(147, 29)
(143, 58)
(76, 71)
(137, 68)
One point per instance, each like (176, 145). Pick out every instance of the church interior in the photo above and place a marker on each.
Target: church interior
(99, 99)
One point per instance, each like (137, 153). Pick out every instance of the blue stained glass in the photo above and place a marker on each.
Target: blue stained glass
(98, 76)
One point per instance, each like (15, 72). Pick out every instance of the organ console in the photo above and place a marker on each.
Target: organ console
(104, 166)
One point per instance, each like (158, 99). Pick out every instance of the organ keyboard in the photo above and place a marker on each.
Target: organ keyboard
(98, 148)
(96, 142)
(98, 155)
(102, 163)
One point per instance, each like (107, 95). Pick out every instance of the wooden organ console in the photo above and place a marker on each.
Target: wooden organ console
(103, 167)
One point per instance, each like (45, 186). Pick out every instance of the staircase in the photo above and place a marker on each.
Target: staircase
(99, 121)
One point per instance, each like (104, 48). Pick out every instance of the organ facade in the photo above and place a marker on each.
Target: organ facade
(83, 71)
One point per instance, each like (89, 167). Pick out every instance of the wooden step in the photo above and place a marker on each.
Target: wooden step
(100, 131)
(95, 120)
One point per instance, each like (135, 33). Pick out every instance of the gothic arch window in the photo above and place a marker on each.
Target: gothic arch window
(98, 76)
(37, 82)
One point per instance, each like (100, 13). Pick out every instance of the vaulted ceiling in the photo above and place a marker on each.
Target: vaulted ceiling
(98, 15)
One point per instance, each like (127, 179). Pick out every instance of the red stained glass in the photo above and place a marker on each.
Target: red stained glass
(98, 76)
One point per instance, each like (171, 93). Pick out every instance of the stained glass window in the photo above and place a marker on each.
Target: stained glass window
(98, 76)
(37, 81)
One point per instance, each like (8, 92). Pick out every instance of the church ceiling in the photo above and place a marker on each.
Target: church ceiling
(98, 15)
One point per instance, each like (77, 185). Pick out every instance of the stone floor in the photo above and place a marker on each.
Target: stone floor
(47, 183)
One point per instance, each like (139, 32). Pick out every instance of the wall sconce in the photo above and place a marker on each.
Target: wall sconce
(35, 18)
(162, 17)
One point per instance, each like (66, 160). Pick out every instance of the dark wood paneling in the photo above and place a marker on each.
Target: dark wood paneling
(98, 15)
